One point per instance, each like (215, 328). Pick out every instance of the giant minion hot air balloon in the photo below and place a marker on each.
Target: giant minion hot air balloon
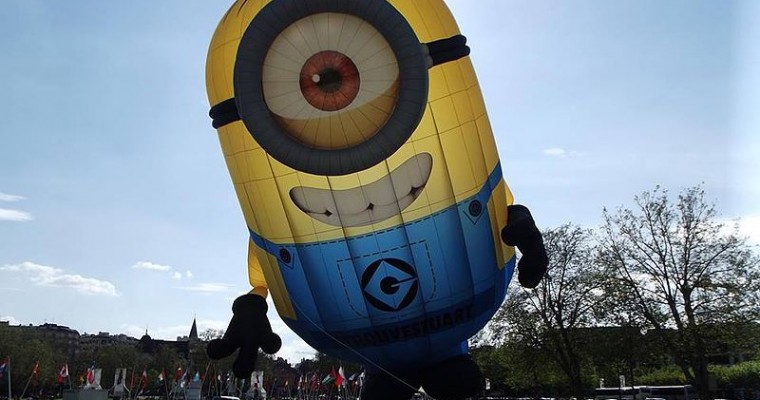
(358, 143)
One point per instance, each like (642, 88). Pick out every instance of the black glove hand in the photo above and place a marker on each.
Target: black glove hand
(249, 330)
(521, 231)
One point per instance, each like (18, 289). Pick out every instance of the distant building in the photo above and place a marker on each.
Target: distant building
(57, 335)
(60, 336)
(182, 345)
(65, 337)
(88, 341)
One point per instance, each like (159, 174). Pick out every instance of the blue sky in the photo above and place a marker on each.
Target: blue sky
(116, 209)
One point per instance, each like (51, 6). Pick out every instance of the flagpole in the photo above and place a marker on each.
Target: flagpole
(9, 378)
(132, 381)
(166, 385)
(68, 375)
(27, 384)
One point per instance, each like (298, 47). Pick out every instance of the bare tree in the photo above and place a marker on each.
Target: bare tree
(548, 317)
(211, 333)
(683, 272)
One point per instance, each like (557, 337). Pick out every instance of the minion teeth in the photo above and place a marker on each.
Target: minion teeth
(367, 204)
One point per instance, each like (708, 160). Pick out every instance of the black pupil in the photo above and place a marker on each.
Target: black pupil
(329, 80)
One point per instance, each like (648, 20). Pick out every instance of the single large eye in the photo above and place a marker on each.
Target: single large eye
(335, 98)
(330, 87)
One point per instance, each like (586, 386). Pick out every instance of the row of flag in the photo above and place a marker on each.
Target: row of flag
(338, 378)
(5, 366)
(89, 377)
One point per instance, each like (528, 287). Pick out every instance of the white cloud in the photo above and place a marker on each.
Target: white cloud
(559, 152)
(151, 266)
(10, 197)
(294, 348)
(14, 215)
(749, 226)
(42, 275)
(555, 152)
(208, 287)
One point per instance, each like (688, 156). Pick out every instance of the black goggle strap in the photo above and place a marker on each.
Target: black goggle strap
(436, 52)
(445, 50)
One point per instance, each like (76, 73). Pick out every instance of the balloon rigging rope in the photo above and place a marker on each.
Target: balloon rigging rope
(351, 349)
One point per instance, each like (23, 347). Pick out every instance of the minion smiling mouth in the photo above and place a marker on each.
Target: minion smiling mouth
(370, 203)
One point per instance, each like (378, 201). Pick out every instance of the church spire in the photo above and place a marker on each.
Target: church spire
(194, 331)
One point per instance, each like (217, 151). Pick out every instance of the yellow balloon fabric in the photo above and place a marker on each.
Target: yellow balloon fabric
(366, 170)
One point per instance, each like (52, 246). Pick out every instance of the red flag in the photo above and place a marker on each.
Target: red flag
(178, 374)
(63, 373)
(340, 378)
(144, 379)
(203, 378)
(90, 375)
(36, 372)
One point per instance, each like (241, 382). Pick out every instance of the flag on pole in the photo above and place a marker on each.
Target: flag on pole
(203, 377)
(93, 378)
(161, 376)
(340, 379)
(119, 382)
(90, 376)
(178, 374)
(36, 372)
(184, 379)
(63, 373)
(314, 381)
(144, 379)
(4, 366)
(330, 377)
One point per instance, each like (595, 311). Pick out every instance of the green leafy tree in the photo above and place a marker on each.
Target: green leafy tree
(682, 273)
(745, 375)
(109, 358)
(667, 375)
(26, 348)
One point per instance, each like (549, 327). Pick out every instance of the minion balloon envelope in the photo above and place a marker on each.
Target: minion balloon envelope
(361, 153)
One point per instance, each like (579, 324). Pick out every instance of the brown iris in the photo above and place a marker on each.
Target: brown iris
(329, 80)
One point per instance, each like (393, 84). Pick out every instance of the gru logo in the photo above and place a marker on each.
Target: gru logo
(389, 284)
